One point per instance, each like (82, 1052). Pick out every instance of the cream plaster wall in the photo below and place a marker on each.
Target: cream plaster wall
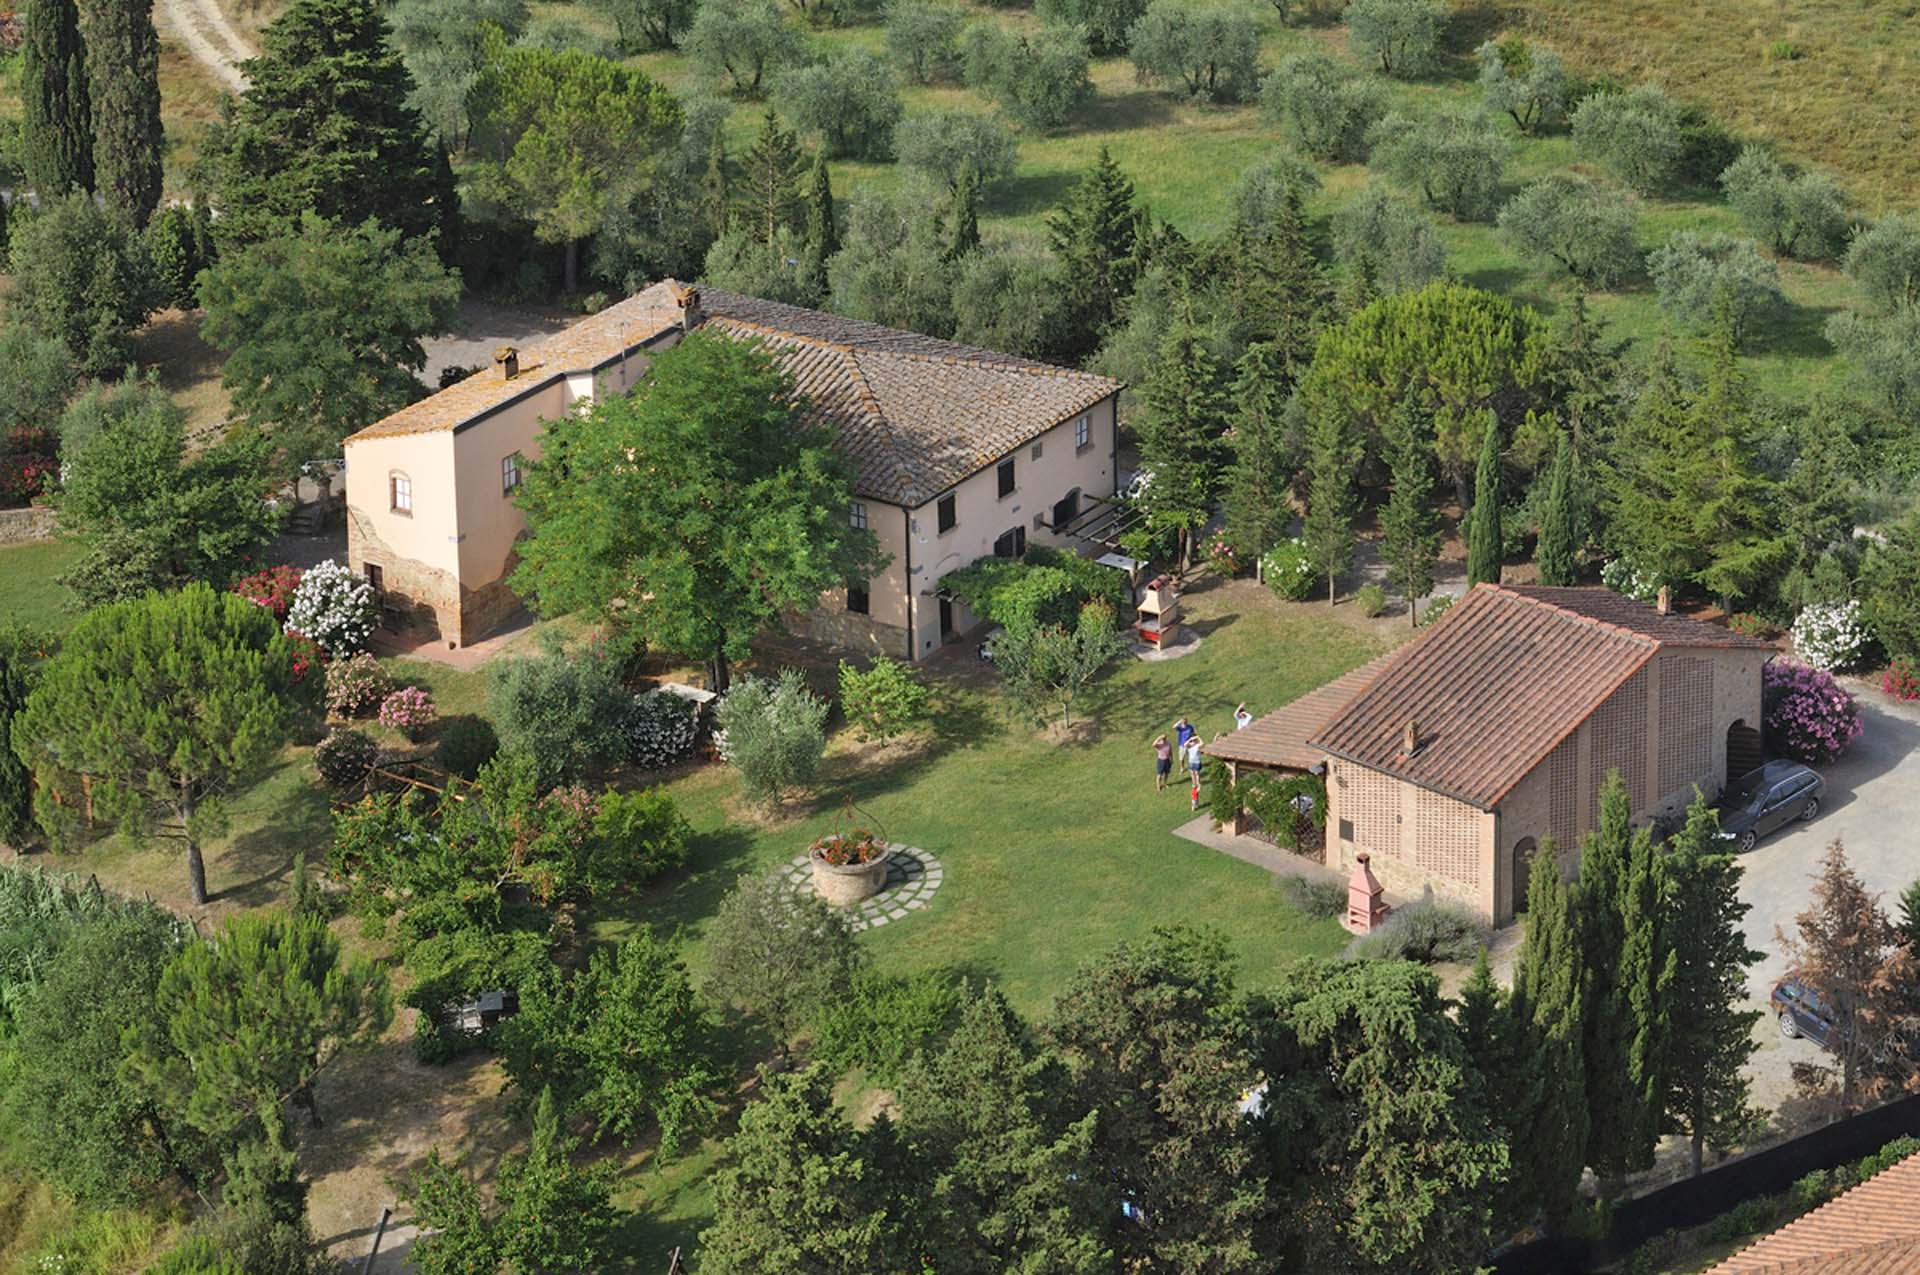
(429, 535)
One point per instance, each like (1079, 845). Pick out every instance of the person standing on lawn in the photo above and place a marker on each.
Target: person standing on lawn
(1241, 717)
(1193, 768)
(1162, 763)
(1182, 732)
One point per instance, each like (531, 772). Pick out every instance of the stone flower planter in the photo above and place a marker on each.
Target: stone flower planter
(844, 886)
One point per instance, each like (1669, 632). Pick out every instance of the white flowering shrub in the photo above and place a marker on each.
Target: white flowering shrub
(1288, 570)
(1830, 636)
(335, 608)
(1622, 576)
(660, 730)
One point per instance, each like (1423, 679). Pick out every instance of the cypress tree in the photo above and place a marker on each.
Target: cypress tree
(56, 130)
(1095, 234)
(1258, 512)
(1333, 454)
(1483, 523)
(1559, 521)
(123, 83)
(1496, 1043)
(16, 790)
(966, 216)
(769, 197)
(326, 127)
(716, 188)
(1409, 527)
(1617, 902)
(1549, 1009)
(823, 233)
(1709, 1030)
(1180, 439)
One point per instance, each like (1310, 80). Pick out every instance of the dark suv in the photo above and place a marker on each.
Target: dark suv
(1799, 1012)
(1764, 800)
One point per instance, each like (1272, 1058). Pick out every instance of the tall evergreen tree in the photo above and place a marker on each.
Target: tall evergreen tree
(1709, 1030)
(1483, 521)
(1550, 1009)
(716, 187)
(966, 215)
(1095, 234)
(18, 656)
(1258, 510)
(1495, 1042)
(56, 129)
(1333, 454)
(823, 229)
(1274, 285)
(1617, 901)
(1180, 438)
(123, 82)
(1409, 526)
(325, 126)
(768, 197)
(1559, 520)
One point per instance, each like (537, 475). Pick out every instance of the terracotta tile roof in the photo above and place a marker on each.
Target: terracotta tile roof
(1280, 738)
(916, 413)
(1873, 1229)
(1501, 679)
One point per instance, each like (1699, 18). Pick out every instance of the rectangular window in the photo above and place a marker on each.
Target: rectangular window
(1006, 479)
(510, 473)
(1036, 451)
(857, 516)
(948, 520)
(1346, 830)
(376, 579)
(1082, 433)
(400, 493)
(1066, 509)
(857, 600)
(1011, 545)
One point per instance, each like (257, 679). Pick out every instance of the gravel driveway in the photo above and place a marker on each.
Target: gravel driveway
(1872, 804)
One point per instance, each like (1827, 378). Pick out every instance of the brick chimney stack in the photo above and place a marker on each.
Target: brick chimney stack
(690, 312)
(1410, 739)
(509, 360)
(1663, 600)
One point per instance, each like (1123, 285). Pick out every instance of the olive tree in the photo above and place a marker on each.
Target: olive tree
(950, 146)
(1453, 157)
(1211, 50)
(1396, 246)
(1702, 279)
(1635, 135)
(847, 103)
(1883, 352)
(1885, 260)
(923, 37)
(1324, 107)
(1038, 79)
(1525, 80)
(743, 40)
(1796, 214)
(1403, 36)
(1575, 223)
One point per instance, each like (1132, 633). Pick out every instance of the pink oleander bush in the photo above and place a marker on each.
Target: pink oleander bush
(410, 711)
(356, 686)
(272, 588)
(1808, 716)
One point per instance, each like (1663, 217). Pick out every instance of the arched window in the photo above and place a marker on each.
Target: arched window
(400, 493)
(1523, 852)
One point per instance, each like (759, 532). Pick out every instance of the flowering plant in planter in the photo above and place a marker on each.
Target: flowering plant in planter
(272, 588)
(410, 711)
(849, 848)
(1808, 716)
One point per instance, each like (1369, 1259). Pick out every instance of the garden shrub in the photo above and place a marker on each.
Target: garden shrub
(1427, 931)
(1890, 585)
(1315, 899)
(272, 588)
(1372, 599)
(1048, 586)
(565, 709)
(1749, 1217)
(1277, 804)
(1624, 577)
(773, 732)
(636, 837)
(466, 744)
(1901, 681)
(356, 685)
(1747, 624)
(1808, 716)
(1221, 556)
(410, 711)
(344, 757)
(661, 729)
(1288, 570)
(335, 608)
(882, 1020)
(1437, 605)
(884, 700)
(1830, 636)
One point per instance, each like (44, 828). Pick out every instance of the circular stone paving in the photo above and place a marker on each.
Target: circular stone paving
(913, 875)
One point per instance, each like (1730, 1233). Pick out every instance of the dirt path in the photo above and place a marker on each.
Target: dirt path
(211, 39)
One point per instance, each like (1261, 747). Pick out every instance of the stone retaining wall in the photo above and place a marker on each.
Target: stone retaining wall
(23, 526)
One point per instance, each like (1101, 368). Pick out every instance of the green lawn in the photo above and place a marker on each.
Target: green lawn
(29, 592)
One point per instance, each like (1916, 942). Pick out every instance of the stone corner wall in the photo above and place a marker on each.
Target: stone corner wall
(26, 526)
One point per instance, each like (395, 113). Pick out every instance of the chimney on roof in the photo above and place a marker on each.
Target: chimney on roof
(1410, 739)
(509, 360)
(690, 312)
(1663, 600)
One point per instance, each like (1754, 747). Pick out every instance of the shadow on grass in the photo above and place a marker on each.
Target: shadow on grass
(1797, 332)
(1028, 193)
(1141, 108)
(297, 818)
(716, 859)
(1501, 279)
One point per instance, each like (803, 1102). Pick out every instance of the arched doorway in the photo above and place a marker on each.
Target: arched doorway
(1743, 750)
(1523, 852)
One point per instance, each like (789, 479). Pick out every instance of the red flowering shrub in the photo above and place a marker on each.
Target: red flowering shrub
(272, 588)
(1752, 625)
(1808, 716)
(307, 655)
(1901, 681)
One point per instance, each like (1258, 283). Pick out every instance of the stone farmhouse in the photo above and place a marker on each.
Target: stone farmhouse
(1451, 760)
(959, 453)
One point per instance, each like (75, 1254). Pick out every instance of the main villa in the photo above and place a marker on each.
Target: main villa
(958, 453)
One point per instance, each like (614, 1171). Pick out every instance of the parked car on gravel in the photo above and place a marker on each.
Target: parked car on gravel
(1765, 800)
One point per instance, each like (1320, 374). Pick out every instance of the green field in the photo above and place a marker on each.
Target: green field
(29, 591)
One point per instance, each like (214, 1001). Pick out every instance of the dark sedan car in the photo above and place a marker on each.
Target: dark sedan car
(1765, 800)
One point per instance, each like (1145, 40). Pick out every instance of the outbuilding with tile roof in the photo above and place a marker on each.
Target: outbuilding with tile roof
(959, 452)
